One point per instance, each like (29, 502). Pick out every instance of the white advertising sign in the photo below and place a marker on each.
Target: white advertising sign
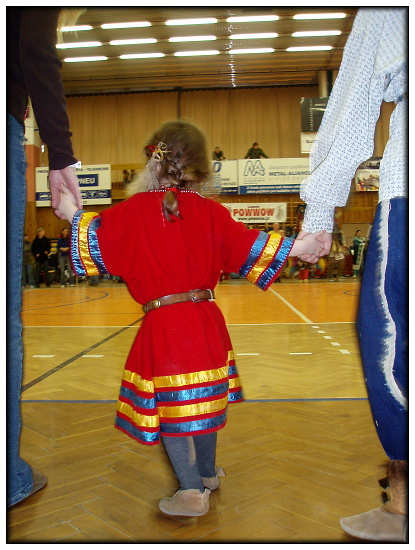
(282, 175)
(94, 182)
(225, 176)
(307, 140)
(259, 212)
(367, 179)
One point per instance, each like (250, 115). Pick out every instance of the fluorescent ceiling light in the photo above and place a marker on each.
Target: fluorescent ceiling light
(248, 18)
(141, 55)
(128, 25)
(202, 21)
(201, 52)
(79, 59)
(65, 45)
(254, 35)
(253, 50)
(191, 38)
(133, 41)
(309, 48)
(316, 33)
(74, 28)
(319, 16)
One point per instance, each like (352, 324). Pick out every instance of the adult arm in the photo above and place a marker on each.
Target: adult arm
(346, 135)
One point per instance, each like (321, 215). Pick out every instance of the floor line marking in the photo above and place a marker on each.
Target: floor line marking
(247, 354)
(344, 351)
(334, 343)
(328, 337)
(43, 356)
(94, 356)
(301, 353)
(294, 309)
(284, 399)
(75, 357)
(321, 331)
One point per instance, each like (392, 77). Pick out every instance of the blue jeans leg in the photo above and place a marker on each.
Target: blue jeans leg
(383, 325)
(19, 473)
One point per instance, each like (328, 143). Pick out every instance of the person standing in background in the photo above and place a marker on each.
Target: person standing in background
(255, 152)
(40, 251)
(64, 247)
(218, 154)
(33, 70)
(374, 69)
(28, 263)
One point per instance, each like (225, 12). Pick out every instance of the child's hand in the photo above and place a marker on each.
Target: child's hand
(67, 206)
(310, 247)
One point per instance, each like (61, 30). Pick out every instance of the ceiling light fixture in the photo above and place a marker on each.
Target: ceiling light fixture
(201, 52)
(316, 33)
(254, 35)
(133, 41)
(333, 15)
(252, 50)
(252, 18)
(75, 28)
(201, 21)
(65, 45)
(191, 38)
(141, 55)
(127, 25)
(309, 48)
(81, 59)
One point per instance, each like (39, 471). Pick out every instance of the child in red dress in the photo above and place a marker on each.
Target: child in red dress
(170, 245)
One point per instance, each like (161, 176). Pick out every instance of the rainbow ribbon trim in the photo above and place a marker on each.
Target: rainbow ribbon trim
(181, 404)
(266, 259)
(85, 252)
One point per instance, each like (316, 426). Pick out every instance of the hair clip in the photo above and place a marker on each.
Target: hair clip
(159, 151)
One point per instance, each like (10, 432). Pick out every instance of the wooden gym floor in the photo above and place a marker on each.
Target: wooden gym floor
(299, 453)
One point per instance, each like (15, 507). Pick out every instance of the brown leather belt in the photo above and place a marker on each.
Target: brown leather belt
(194, 296)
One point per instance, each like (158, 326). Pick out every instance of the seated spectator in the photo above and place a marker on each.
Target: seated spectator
(255, 152)
(28, 263)
(276, 229)
(218, 154)
(65, 269)
(40, 250)
(125, 177)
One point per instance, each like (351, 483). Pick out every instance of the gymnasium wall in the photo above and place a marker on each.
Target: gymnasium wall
(113, 128)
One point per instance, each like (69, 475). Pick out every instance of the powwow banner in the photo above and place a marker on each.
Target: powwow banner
(282, 175)
(258, 213)
(225, 176)
(94, 182)
(366, 179)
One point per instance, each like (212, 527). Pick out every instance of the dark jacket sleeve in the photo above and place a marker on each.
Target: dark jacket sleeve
(41, 70)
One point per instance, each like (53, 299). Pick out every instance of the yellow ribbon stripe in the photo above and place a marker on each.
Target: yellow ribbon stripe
(264, 260)
(90, 267)
(193, 410)
(139, 382)
(142, 420)
(234, 383)
(204, 376)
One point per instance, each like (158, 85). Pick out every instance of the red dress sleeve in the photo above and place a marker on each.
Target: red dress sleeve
(100, 243)
(253, 254)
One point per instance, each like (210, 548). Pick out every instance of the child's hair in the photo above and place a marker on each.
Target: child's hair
(181, 162)
(185, 162)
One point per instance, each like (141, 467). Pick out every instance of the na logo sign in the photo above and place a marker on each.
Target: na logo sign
(254, 168)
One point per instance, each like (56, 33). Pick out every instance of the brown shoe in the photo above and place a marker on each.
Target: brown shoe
(213, 483)
(187, 502)
(376, 525)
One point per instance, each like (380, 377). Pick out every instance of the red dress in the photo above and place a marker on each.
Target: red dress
(180, 373)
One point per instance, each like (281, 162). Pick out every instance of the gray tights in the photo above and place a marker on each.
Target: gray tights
(192, 458)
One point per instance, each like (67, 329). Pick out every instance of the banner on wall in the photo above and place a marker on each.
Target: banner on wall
(367, 175)
(94, 182)
(282, 175)
(366, 179)
(259, 212)
(225, 176)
